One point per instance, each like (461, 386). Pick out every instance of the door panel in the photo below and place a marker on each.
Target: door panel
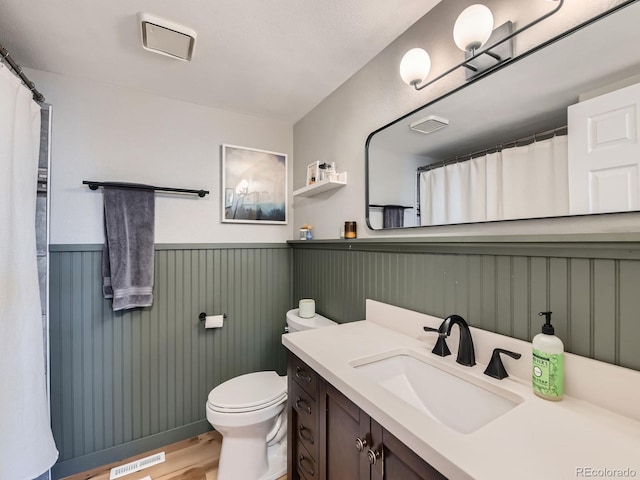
(345, 423)
(397, 461)
(604, 154)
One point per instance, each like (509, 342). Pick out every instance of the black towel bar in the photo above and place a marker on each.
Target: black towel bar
(94, 186)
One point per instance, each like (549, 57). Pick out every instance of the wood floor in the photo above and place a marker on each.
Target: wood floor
(193, 459)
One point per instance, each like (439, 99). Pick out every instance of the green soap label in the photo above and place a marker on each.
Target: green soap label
(548, 373)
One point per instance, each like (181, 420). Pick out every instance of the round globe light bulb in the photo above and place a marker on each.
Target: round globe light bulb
(473, 27)
(415, 66)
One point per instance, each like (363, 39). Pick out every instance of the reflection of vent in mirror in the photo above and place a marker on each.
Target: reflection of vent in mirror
(429, 124)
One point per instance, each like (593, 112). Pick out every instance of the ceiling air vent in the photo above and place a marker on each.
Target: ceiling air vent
(166, 37)
(429, 124)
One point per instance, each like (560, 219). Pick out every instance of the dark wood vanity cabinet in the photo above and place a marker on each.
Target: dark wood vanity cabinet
(331, 438)
(399, 461)
(303, 417)
(347, 437)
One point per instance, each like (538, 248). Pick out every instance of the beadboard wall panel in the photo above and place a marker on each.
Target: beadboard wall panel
(120, 377)
(595, 300)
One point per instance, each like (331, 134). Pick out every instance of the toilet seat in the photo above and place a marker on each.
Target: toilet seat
(248, 393)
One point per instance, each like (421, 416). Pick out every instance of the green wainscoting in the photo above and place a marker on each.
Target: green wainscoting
(123, 383)
(592, 287)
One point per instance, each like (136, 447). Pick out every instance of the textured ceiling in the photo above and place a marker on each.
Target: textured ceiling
(272, 58)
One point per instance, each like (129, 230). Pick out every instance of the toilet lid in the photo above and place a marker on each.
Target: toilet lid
(249, 391)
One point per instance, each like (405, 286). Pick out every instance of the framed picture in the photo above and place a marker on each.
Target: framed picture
(254, 186)
(312, 172)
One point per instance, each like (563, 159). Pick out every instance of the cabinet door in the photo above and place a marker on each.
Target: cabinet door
(395, 461)
(345, 423)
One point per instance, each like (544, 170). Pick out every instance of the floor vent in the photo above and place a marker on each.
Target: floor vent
(141, 464)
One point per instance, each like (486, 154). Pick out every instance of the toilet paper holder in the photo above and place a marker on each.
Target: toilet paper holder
(203, 316)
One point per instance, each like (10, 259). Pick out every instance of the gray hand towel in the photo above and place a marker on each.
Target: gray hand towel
(128, 254)
(393, 216)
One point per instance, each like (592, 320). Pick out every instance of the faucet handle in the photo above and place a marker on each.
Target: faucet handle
(441, 348)
(496, 368)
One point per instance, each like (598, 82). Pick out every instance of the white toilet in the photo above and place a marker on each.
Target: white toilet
(249, 412)
(295, 323)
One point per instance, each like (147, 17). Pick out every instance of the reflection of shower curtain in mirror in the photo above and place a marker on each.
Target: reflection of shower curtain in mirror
(521, 182)
(27, 448)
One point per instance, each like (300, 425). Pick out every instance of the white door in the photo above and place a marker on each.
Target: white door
(604, 155)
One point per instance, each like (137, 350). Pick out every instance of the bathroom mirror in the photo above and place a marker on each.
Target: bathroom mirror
(552, 133)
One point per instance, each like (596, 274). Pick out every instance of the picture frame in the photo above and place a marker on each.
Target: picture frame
(254, 186)
(312, 172)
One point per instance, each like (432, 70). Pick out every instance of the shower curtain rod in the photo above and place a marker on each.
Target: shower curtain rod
(536, 137)
(37, 96)
(94, 186)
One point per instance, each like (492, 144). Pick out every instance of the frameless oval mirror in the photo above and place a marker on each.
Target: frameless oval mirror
(552, 133)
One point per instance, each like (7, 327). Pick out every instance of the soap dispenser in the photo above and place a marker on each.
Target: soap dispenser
(548, 362)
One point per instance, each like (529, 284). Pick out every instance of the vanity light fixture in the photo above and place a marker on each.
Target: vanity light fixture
(472, 30)
(473, 27)
(415, 66)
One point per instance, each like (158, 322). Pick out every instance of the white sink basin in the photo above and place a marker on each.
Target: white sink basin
(449, 399)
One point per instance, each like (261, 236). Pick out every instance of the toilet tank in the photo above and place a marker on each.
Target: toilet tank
(295, 323)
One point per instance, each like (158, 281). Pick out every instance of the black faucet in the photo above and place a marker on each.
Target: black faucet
(496, 368)
(440, 348)
(466, 353)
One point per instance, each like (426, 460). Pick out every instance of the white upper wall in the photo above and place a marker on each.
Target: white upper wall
(336, 130)
(106, 133)
(394, 178)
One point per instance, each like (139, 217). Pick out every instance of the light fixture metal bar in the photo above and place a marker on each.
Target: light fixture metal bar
(486, 50)
(496, 55)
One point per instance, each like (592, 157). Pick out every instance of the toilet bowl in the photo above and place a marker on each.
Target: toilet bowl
(249, 412)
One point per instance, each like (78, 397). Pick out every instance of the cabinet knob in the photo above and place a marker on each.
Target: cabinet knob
(306, 465)
(303, 405)
(302, 375)
(360, 444)
(307, 437)
(373, 456)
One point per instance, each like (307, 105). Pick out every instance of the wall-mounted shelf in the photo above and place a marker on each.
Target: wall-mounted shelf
(322, 186)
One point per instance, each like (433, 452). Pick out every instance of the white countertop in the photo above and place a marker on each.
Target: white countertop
(537, 439)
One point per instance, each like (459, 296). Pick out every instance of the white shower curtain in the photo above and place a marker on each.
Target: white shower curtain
(456, 193)
(521, 182)
(27, 448)
(535, 179)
